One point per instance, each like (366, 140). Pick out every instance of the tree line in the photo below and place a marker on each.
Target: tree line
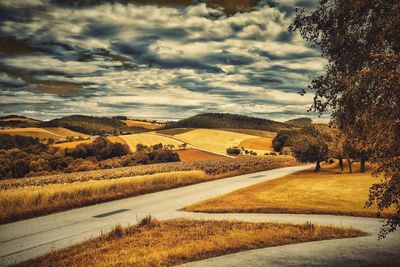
(22, 156)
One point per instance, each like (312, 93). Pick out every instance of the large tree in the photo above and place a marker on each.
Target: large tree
(361, 84)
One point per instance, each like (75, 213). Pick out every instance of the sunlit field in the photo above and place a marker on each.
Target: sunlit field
(148, 139)
(195, 154)
(43, 133)
(327, 192)
(168, 243)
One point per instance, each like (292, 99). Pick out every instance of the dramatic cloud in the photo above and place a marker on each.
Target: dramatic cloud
(152, 61)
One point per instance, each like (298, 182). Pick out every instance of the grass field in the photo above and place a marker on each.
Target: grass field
(213, 140)
(327, 192)
(73, 144)
(260, 143)
(217, 167)
(195, 154)
(148, 139)
(258, 133)
(43, 133)
(146, 125)
(173, 242)
(29, 201)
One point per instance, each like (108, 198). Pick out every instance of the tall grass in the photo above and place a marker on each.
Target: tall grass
(28, 201)
(173, 242)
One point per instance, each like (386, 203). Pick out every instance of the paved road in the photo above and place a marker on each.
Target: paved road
(34, 237)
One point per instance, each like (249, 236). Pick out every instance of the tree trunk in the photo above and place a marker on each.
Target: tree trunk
(341, 163)
(362, 163)
(350, 162)
(317, 166)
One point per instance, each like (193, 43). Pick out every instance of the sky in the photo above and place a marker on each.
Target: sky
(153, 61)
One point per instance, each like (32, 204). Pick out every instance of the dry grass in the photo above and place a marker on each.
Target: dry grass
(32, 132)
(218, 167)
(213, 140)
(146, 125)
(258, 133)
(73, 144)
(173, 242)
(195, 154)
(29, 201)
(43, 133)
(327, 192)
(148, 139)
(262, 143)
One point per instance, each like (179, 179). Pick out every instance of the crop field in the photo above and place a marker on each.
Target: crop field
(148, 139)
(213, 140)
(217, 167)
(43, 133)
(174, 131)
(73, 144)
(195, 154)
(146, 125)
(306, 192)
(173, 242)
(29, 201)
(260, 143)
(258, 133)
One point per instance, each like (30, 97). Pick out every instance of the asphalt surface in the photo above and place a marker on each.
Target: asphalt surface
(31, 238)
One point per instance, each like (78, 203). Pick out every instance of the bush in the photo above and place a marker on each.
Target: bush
(233, 151)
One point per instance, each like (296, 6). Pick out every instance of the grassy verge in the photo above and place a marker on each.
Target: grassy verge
(30, 201)
(327, 192)
(168, 243)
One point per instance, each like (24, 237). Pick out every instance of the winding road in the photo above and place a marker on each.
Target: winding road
(30, 238)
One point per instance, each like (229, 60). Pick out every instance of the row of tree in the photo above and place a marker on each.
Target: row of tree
(318, 144)
(25, 156)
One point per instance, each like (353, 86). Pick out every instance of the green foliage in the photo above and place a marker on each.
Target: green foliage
(284, 138)
(92, 125)
(226, 121)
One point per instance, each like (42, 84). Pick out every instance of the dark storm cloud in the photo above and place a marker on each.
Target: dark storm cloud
(154, 61)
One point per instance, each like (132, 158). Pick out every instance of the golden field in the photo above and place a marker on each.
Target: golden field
(327, 192)
(73, 144)
(148, 139)
(28, 201)
(213, 140)
(261, 143)
(223, 167)
(43, 133)
(173, 242)
(259, 133)
(195, 154)
(143, 124)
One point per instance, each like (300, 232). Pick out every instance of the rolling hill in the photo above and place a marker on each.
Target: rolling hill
(300, 122)
(226, 120)
(92, 125)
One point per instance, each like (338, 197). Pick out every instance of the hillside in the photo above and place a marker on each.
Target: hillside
(300, 122)
(92, 125)
(226, 120)
(17, 121)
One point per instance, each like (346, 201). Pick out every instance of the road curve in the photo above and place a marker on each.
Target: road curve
(34, 237)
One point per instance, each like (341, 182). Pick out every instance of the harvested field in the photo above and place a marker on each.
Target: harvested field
(73, 144)
(258, 144)
(43, 133)
(195, 154)
(148, 139)
(143, 124)
(258, 133)
(213, 140)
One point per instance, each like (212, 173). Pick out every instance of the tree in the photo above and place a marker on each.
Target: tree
(361, 83)
(311, 146)
(233, 151)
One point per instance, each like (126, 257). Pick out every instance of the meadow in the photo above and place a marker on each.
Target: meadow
(173, 242)
(327, 192)
(34, 196)
(148, 139)
(43, 133)
(29, 201)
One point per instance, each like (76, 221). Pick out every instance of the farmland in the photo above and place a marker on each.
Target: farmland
(148, 139)
(43, 133)
(213, 140)
(28, 201)
(173, 242)
(144, 124)
(306, 192)
(195, 154)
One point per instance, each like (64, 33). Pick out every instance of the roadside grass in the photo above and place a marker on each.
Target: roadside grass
(173, 242)
(220, 168)
(30, 201)
(327, 192)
